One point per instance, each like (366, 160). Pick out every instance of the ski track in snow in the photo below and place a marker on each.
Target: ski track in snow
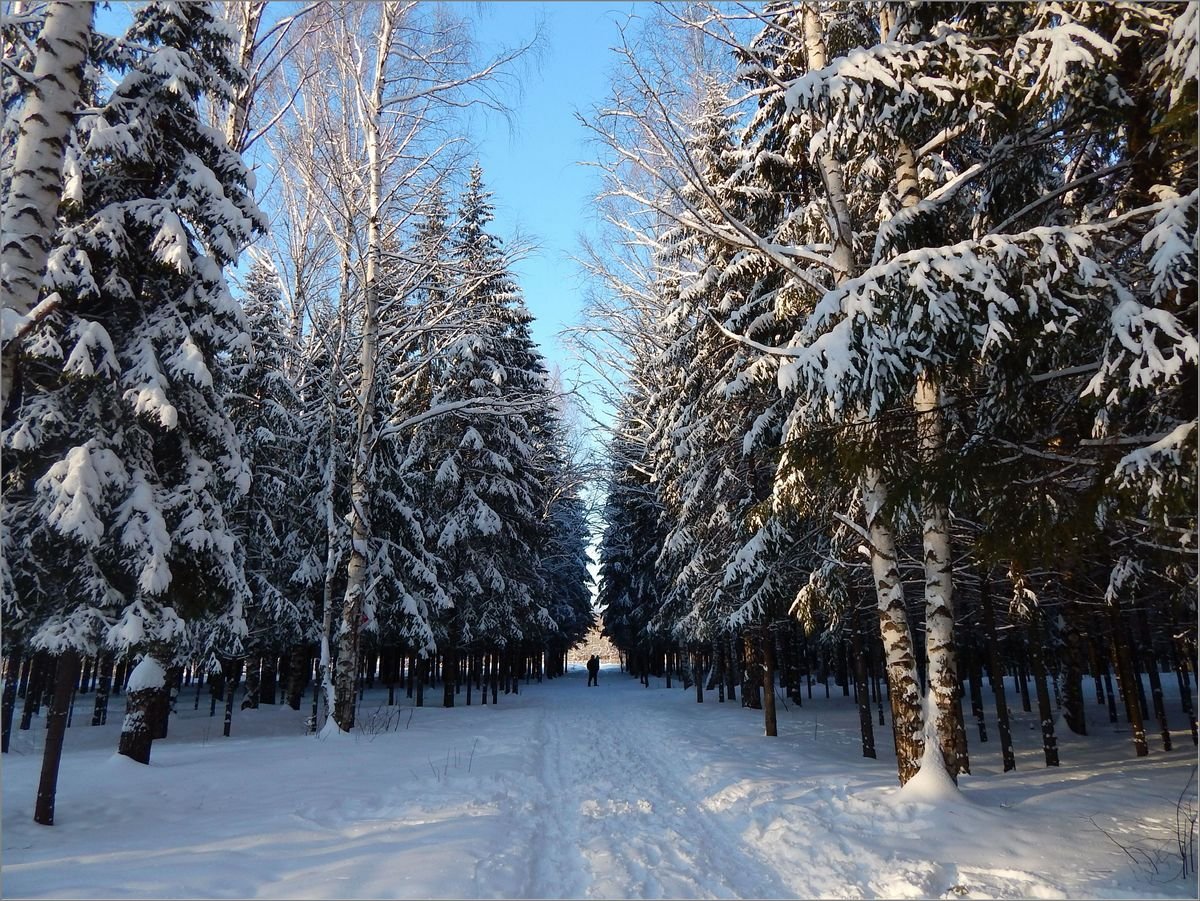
(619, 803)
(564, 791)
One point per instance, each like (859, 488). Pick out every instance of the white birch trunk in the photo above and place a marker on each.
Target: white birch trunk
(943, 681)
(900, 664)
(249, 15)
(904, 690)
(360, 529)
(331, 562)
(27, 225)
(944, 684)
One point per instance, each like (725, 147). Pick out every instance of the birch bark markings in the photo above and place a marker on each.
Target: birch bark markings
(31, 206)
(944, 683)
(371, 108)
(900, 662)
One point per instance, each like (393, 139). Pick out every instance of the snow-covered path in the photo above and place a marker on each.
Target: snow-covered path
(618, 791)
(627, 812)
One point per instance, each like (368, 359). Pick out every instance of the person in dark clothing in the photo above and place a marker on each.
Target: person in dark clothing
(593, 666)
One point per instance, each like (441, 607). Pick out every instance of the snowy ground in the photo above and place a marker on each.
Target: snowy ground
(619, 791)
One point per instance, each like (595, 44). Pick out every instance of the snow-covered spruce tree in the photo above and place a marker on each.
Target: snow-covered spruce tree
(417, 310)
(118, 451)
(630, 588)
(563, 575)
(1001, 261)
(265, 410)
(491, 383)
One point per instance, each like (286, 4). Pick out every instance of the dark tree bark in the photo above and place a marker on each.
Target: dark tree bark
(12, 674)
(34, 690)
(449, 677)
(422, 665)
(1185, 687)
(975, 679)
(298, 669)
(163, 702)
(137, 730)
(100, 708)
(1023, 682)
(996, 671)
(1045, 711)
(85, 674)
(1103, 669)
(253, 681)
(731, 674)
(1156, 691)
(770, 724)
(267, 684)
(752, 678)
(495, 674)
(26, 672)
(861, 691)
(1125, 677)
(1074, 713)
(65, 681)
(231, 671)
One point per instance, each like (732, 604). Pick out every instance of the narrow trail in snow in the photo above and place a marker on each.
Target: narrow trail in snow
(619, 818)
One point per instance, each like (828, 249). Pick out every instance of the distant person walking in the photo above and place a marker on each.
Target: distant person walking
(593, 666)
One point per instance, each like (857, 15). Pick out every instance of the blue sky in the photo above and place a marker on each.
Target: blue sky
(533, 165)
(540, 187)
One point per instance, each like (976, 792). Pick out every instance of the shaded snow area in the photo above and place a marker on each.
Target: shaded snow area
(618, 791)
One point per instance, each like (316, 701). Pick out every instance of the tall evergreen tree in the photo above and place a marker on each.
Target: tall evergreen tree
(119, 451)
(491, 384)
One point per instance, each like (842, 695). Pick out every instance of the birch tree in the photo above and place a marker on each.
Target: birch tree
(33, 165)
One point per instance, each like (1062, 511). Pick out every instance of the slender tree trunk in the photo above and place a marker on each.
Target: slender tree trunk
(495, 676)
(85, 675)
(752, 680)
(267, 681)
(976, 678)
(12, 674)
(331, 562)
(1108, 687)
(34, 689)
(1045, 711)
(1074, 712)
(1126, 676)
(232, 671)
(771, 727)
(100, 708)
(30, 208)
(1023, 681)
(862, 693)
(298, 671)
(253, 683)
(1156, 691)
(449, 677)
(56, 729)
(899, 664)
(360, 488)
(1178, 649)
(996, 672)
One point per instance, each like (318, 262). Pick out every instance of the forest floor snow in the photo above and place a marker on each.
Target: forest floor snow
(568, 791)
